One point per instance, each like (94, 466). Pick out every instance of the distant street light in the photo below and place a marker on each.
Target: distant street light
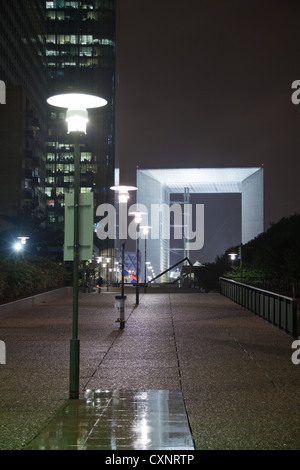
(233, 257)
(123, 198)
(19, 245)
(107, 270)
(23, 240)
(146, 229)
(77, 118)
(137, 218)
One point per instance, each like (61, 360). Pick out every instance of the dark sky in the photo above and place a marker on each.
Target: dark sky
(207, 83)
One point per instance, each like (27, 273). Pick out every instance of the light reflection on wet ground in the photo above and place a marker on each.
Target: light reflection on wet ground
(124, 420)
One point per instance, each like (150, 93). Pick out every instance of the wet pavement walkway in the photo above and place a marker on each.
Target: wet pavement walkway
(119, 420)
(189, 371)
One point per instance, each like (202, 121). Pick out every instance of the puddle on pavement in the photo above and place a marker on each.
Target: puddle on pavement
(124, 420)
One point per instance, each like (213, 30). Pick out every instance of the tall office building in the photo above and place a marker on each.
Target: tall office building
(80, 54)
(22, 117)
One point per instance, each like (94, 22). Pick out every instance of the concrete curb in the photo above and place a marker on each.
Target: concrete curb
(34, 300)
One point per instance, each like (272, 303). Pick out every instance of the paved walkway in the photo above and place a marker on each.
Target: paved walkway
(189, 371)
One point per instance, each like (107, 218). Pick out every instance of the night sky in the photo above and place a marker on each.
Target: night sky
(207, 83)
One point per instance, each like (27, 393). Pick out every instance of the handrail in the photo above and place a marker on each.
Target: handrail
(172, 267)
(275, 308)
(257, 289)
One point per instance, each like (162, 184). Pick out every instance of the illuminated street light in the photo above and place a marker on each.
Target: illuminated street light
(18, 246)
(123, 198)
(107, 277)
(123, 192)
(23, 240)
(138, 219)
(145, 229)
(77, 105)
(233, 257)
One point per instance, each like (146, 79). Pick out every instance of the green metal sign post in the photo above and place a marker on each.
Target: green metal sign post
(78, 246)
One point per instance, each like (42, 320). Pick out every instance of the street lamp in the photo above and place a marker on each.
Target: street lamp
(146, 229)
(137, 218)
(107, 269)
(23, 240)
(232, 256)
(123, 192)
(19, 245)
(77, 105)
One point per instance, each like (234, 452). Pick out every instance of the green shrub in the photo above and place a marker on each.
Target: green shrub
(25, 276)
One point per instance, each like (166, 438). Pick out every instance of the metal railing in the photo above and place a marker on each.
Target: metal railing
(277, 309)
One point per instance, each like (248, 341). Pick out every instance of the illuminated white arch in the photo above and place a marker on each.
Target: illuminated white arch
(156, 185)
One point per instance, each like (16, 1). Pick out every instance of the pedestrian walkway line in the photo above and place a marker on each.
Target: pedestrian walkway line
(119, 420)
(175, 342)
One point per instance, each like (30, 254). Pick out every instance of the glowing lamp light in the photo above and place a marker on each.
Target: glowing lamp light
(77, 105)
(146, 229)
(137, 216)
(23, 240)
(18, 246)
(233, 256)
(123, 192)
(123, 198)
(77, 121)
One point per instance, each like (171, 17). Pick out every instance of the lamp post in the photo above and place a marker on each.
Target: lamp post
(77, 118)
(241, 261)
(107, 270)
(233, 257)
(123, 198)
(146, 229)
(137, 218)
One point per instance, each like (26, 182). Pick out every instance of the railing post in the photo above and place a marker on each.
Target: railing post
(294, 318)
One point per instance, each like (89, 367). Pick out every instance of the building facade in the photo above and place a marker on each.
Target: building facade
(22, 117)
(80, 54)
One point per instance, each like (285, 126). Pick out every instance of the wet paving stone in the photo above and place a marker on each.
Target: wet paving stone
(119, 420)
